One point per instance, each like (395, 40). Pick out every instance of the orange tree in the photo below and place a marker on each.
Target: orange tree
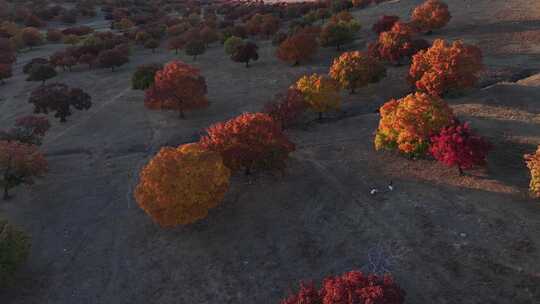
(249, 141)
(178, 86)
(443, 67)
(321, 93)
(533, 163)
(430, 15)
(356, 69)
(179, 185)
(396, 44)
(297, 48)
(406, 124)
(19, 164)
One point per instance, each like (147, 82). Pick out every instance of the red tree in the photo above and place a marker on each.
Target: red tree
(112, 58)
(287, 109)
(297, 48)
(384, 24)
(245, 52)
(351, 288)
(31, 37)
(178, 86)
(249, 141)
(5, 72)
(458, 146)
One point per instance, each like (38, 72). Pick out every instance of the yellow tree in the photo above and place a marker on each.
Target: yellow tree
(407, 123)
(533, 163)
(356, 69)
(179, 185)
(321, 93)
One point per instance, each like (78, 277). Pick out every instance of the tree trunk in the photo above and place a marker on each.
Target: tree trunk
(112, 69)
(460, 171)
(6, 194)
(247, 64)
(352, 90)
(248, 171)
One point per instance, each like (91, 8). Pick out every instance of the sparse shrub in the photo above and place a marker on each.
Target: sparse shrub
(112, 58)
(59, 98)
(41, 72)
(143, 78)
(297, 48)
(286, 109)
(72, 39)
(431, 15)
(14, 250)
(533, 163)
(356, 69)
(20, 164)
(384, 24)
(249, 141)
(443, 68)
(178, 86)
(406, 124)
(321, 93)
(457, 146)
(195, 48)
(231, 44)
(180, 185)
(245, 53)
(350, 288)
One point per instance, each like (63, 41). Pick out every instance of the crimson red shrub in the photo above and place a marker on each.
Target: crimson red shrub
(384, 24)
(350, 288)
(286, 109)
(458, 146)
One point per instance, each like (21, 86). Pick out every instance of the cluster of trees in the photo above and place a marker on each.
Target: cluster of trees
(103, 49)
(199, 173)
(350, 288)
(60, 99)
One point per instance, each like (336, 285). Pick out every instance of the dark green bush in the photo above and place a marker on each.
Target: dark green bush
(14, 249)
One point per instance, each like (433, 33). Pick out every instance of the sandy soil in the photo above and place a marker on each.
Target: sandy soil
(447, 239)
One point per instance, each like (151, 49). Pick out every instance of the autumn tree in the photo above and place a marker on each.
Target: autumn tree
(54, 35)
(443, 67)
(41, 72)
(28, 129)
(431, 15)
(152, 44)
(143, 78)
(178, 86)
(249, 141)
(176, 43)
(208, 35)
(533, 163)
(231, 44)
(7, 52)
(287, 108)
(406, 124)
(195, 48)
(397, 44)
(338, 33)
(59, 98)
(321, 93)
(457, 146)
(14, 250)
(31, 37)
(350, 288)
(297, 48)
(20, 163)
(112, 58)
(88, 59)
(384, 24)
(180, 185)
(356, 69)
(5, 72)
(245, 53)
